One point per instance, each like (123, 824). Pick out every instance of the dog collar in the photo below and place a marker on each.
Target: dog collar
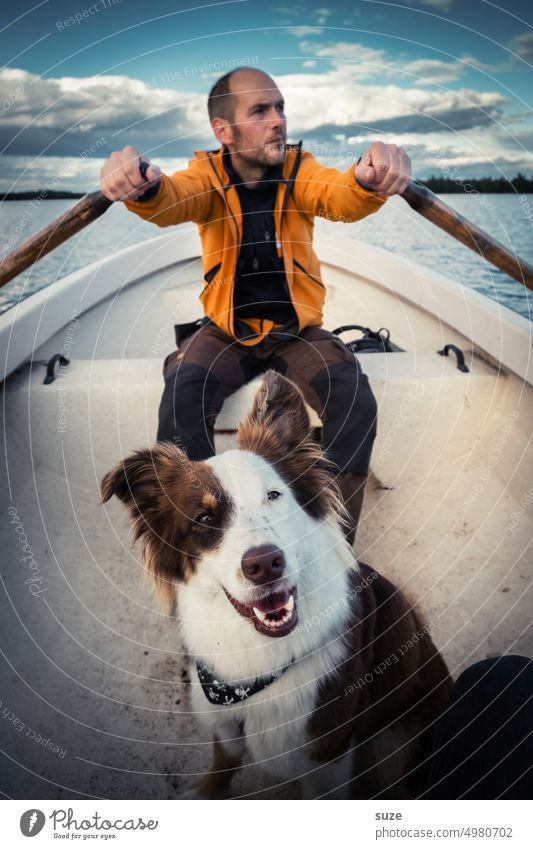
(221, 693)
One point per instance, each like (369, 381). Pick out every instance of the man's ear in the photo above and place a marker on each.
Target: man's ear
(222, 130)
(278, 416)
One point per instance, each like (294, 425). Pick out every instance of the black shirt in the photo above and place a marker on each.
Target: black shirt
(261, 289)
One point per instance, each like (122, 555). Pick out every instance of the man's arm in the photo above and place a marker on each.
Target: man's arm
(384, 170)
(185, 196)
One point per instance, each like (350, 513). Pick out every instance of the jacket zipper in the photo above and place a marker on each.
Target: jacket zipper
(237, 239)
(287, 192)
(288, 188)
(305, 271)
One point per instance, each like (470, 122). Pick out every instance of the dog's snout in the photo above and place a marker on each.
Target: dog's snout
(263, 563)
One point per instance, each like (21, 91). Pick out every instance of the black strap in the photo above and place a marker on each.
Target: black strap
(370, 341)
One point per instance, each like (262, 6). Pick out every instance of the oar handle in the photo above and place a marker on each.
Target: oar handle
(88, 209)
(423, 201)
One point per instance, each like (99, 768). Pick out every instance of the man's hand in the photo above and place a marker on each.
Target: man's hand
(384, 168)
(121, 178)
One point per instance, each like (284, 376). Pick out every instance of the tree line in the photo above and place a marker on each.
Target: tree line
(440, 185)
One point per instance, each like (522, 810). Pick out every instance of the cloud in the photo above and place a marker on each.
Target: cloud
(368, 62)
(433, 4)
(522, 45)
(300, 32)
(77, 122)
(433, 70)
(70, 115)
(65, 173)
(421, 123)
(364, 61)
(337, 98)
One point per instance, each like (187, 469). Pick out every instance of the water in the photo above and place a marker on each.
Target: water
(508, 218)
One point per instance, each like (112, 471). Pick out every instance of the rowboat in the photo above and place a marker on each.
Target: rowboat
(95, 702)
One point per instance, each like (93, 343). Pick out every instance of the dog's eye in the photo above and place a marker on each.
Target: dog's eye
(273, 494)
(203, 518)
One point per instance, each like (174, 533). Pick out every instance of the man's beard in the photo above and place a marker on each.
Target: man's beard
(271, 154)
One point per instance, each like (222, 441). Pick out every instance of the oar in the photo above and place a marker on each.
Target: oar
(423, 201)
(89, 208)
(419, 198)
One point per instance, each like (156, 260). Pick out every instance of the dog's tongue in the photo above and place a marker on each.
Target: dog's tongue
(273, 602)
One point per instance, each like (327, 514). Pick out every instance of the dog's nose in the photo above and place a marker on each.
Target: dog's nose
(263, 563)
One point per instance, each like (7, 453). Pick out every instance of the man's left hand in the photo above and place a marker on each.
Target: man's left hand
(384, 168)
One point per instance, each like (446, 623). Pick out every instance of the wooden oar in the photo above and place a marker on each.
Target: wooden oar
(89, 208)
(423, 201)
(419, 198)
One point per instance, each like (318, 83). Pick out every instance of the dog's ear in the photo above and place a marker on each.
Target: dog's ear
(139, 480)
(278, 415)
(147, 482)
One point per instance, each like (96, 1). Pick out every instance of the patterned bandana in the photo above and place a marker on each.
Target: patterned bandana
(219, 693)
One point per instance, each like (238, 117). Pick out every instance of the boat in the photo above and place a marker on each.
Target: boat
(95, 702)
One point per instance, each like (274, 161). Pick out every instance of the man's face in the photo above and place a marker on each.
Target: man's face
(259, 132)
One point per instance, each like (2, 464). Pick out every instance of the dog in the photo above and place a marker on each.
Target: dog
(313, 662)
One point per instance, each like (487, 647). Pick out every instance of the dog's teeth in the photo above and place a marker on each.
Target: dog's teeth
(276, 623)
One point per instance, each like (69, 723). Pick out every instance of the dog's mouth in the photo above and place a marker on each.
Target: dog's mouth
(275, 614)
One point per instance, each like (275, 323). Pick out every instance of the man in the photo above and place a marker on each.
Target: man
(254, 201)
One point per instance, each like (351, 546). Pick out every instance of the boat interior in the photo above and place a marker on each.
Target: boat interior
(91, 661)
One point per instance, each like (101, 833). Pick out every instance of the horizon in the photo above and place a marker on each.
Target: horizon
(40, 193)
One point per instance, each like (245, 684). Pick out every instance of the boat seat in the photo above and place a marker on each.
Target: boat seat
(426, 407)
(422, 398)
(392, 369)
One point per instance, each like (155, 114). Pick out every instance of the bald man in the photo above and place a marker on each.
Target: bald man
(254, 200)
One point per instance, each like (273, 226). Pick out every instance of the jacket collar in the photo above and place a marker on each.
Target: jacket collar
(220, 177)
(274, 172)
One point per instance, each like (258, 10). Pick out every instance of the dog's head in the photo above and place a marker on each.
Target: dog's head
(241, 525)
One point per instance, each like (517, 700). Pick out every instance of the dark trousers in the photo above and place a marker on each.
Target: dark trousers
(483, 744)
(210, 366)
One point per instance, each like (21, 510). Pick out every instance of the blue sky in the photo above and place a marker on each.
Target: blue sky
(451, 81)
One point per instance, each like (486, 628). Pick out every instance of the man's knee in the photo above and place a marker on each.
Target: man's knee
(349, 421)
(495, 674)
(186, 412)
(351, 405)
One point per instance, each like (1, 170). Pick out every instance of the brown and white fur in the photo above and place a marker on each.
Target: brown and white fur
(260, 527)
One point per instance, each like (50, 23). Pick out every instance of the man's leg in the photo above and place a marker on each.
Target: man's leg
(483, 744)
(333, 383)
(198, 377)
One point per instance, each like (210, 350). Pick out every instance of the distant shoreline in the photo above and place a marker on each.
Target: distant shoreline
(440, 185)
(41, 194)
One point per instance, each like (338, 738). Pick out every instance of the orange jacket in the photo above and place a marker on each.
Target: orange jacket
(203, 193)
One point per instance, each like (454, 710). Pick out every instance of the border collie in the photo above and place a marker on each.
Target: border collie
(314, 663)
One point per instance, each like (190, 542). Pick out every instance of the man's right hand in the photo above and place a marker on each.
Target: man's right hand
(121, 178)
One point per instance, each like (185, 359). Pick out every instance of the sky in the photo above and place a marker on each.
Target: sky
(451, 81)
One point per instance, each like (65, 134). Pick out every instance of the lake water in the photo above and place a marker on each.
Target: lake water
(508, 218)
